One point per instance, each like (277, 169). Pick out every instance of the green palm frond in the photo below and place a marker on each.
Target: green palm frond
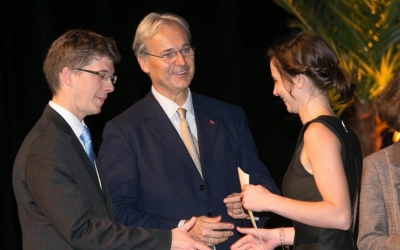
(364, 33)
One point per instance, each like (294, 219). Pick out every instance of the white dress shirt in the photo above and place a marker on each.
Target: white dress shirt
(170, 108)
(75, 124)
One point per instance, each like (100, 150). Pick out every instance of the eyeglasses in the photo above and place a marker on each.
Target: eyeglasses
(167, 56)
(102, 75)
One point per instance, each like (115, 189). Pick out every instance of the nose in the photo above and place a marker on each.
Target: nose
(274, 92)
(180, 59)
(109, 86)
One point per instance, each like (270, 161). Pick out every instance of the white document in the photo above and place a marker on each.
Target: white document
(245, 179)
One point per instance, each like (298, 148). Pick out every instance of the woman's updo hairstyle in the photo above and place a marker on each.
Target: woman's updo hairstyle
(309, 54)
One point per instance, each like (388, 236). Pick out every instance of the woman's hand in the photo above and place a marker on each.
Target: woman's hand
(270, 239)
(255, 198)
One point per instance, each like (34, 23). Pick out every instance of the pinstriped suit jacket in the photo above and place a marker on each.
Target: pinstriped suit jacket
(379, 226)
(60, 202)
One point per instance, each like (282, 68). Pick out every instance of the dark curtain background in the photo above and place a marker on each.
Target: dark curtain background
(230, 37)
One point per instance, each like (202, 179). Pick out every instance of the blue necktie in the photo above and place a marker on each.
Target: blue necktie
(87, 141)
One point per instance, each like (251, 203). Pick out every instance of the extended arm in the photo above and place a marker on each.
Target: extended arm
(271, 238)
(252, 165)
(321, 157)
(67, 197)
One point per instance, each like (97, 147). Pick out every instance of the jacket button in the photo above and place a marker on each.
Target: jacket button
(202, 187)
(210, 215)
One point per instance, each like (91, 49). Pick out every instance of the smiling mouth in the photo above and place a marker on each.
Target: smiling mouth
(180, 72)
(102, 99)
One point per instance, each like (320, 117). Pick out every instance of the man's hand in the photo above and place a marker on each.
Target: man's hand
(234, 205)
(181, 239)
(210, 230)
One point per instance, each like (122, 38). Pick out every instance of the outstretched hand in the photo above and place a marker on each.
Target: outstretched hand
(251, 240)
(210, 230)
(181, 239)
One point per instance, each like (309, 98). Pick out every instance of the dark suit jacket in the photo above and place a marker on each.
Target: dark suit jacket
(60, 203)
(152, 178)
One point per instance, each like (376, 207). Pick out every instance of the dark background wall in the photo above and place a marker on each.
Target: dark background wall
(230, 37)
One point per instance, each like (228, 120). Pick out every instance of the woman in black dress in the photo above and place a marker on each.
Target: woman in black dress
(321, 185)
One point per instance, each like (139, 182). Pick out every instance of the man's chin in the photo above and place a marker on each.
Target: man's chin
(95, 112)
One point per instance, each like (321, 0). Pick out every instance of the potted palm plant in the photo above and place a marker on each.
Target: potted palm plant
(366, 36)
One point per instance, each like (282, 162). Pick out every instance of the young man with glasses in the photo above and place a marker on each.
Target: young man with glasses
(63, 199)
(160, 173)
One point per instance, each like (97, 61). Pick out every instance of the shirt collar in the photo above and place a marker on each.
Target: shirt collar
(170, 106)
(73, 121)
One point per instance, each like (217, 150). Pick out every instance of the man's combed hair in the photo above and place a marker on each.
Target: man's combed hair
(76, 49)
(149, 26)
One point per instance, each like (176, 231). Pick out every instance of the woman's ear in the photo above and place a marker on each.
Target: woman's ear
(299, 81)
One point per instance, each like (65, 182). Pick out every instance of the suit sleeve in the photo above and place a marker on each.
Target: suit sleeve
(373, 221)
(252, 164)
(118, 159)
(54, 179)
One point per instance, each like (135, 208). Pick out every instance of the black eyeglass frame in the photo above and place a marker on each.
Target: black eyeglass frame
(173, 54)
(102, 75)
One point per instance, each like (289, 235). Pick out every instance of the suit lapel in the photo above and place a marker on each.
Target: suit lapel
(208, 125)
(394, 157)
(85, 160)
(70, 136)
(104, 190)
(104, 186)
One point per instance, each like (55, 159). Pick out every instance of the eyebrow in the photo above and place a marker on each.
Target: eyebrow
(104, 71)
(185, 45)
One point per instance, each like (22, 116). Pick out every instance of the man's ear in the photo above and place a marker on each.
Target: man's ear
(65, 75)
(143, 64)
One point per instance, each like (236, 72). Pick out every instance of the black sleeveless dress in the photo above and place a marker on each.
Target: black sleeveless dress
(300, 185)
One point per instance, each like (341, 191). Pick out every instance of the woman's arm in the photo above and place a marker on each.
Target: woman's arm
(321, 157)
